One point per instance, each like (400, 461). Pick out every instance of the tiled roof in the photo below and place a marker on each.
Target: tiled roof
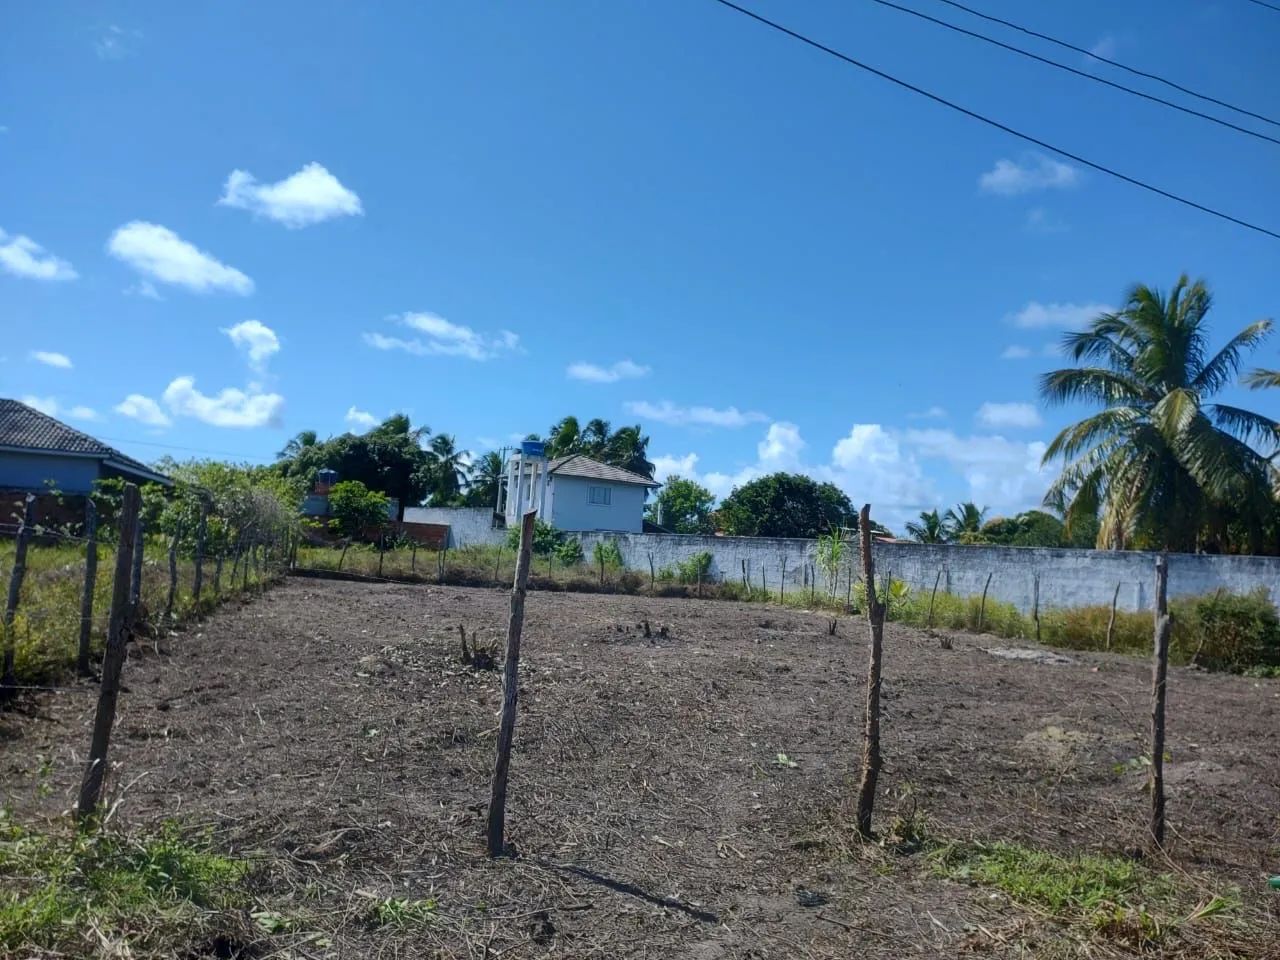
(25, 427)
(576, 465)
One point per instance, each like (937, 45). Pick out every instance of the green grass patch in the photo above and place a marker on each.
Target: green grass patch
(401, 912)
(146, 891)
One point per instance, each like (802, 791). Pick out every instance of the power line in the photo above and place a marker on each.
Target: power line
(175, 446)
(998, 125)
(1079, 73)
(1115, 63)
(1269, 6)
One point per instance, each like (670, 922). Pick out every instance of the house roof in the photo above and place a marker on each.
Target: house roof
(26, 429)
(576, 465)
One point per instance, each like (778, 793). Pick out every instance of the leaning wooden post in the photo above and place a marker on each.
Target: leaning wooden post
(745, 586)
(139, 554)
(1159, 673)
(382, 550)
(83, 667)
(782, 583)
(653, 576)
(871, 725)
(173, 571)
(197, 578)
(1035, 602)
(510, 685)
(9, 676)
(121, 621)
(982, 608)
(932, 596)
(1111, 624)
(413, 556)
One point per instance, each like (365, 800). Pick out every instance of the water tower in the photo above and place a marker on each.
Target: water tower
(526, 481)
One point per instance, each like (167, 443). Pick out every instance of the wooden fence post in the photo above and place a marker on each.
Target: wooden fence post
(745, 585)
(173, 571)
(510, 687)
(764, 584)
(871, 722)
(197, 578)
(413, 556)
(217, 574)
(83, 667)
(1111, 624)
(1035, 602)
(382, 551)
(932, 597)
(139, 554)
(1159, 674)
(982, 608)
(121, 622)
(346, 544)
(782, 582)
(9, 676)
(653, 577)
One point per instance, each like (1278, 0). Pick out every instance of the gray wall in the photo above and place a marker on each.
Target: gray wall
(468, 526)
(1068, 578)
(33, 471)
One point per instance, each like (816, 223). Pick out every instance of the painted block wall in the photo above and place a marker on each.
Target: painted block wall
(28, 471)
(570, 507)
(468, 526)
(1068, 578)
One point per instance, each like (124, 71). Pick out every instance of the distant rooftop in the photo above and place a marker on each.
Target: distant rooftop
(577, 465)
(26, 429)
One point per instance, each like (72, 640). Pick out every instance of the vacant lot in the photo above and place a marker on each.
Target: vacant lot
(684, 795)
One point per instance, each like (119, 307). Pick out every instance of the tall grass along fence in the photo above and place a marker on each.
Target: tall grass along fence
(192, 552)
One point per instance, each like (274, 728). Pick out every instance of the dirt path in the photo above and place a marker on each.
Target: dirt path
(670, 797)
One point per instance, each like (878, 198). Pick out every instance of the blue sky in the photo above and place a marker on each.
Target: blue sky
(223, 225)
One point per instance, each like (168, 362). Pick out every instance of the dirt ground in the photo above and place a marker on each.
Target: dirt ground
(328, 731)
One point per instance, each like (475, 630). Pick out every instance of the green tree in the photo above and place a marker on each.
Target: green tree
(1033, 528)
(963, 522)
(684, 506)
(449, 470)
(300, 442)
(626, 447)
(356, 508)
(487, 474)
(1160, 465)
(930, 529)
(389, 458)
(785, 505)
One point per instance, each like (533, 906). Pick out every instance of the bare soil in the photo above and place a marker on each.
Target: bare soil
(685, 795)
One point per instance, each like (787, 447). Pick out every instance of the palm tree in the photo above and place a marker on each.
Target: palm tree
(450, 468)
(963, 522)
(628, 448)
(307, 438)
(1158, 461)
(1260, 379)
(565, 438)
(595, 438)
(487, 473)
(930, 529)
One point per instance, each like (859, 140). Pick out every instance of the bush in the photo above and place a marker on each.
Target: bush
(607, 555)
(1229, 631)
(695, 569)
(546, 538)
(569, 553)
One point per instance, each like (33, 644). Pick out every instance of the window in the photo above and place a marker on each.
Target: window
(598, 496)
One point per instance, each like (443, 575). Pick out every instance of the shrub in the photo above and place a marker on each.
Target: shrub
(695, 569)
(606, 554)
(569, 553)
(1226, 631)
(546, 538)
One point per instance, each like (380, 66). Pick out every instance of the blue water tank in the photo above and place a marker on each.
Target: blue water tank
(327, 477)
(533, 448)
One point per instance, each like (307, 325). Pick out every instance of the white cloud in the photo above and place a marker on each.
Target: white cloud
(312, 195)
(1015, 415)
(23, 257)
(672, 466)
(143, 409)
(1036, 315)
(81, 412)
(1034, 172)
(932, 413)
(361, 418)
(1105, 47)
(444, 338)
(781, 447)
(593, 373)
(161, 254)
(1015, 352)
(257, 340)
(1001, 474)
(145, 289)
(51, 359)
(669, 413)
(47, 405)
(1040, 220)
(229, 408)
(116, 43)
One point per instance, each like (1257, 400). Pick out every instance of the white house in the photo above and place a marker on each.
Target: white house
(574, 493)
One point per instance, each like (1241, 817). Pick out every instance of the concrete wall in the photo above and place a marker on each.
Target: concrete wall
(1068, 578)
(468, 526)
(569, 505)
(32, 471)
